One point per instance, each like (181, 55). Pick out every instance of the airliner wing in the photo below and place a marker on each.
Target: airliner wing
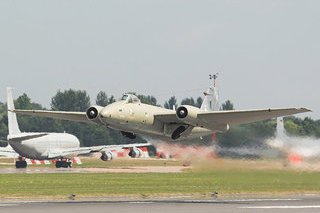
(69, 153)
(65, 115)
(125, 146)
(221, 120)
(72, 152)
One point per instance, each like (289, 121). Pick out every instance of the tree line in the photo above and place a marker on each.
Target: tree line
(91, 134)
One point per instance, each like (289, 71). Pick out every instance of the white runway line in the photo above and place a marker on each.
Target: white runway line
(280, 207)
(6, 205)
(262, 200)
(140, 202)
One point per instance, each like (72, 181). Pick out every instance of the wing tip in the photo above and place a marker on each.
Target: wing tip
(304, 109)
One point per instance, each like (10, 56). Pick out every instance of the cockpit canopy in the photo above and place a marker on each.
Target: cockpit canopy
(129, 98)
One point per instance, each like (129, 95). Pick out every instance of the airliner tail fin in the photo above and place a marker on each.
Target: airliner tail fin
(12, 117)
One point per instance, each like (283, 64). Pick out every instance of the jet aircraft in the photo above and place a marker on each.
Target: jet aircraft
(60, 146)
(132, 117)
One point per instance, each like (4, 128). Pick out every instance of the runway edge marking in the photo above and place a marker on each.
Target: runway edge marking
(280, 207)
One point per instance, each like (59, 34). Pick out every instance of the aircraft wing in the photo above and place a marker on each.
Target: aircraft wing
(72, 152)
(65, 115)
(69, 153)
(125, 146)
(220, 120)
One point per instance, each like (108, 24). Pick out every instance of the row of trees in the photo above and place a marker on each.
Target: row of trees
(90, 134)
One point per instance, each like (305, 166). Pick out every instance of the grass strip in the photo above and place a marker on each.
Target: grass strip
(224, 181)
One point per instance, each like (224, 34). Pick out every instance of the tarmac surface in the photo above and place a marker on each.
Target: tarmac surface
(291, 205)
(32, 170)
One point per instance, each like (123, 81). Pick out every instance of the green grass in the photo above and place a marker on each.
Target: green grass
(224, 181)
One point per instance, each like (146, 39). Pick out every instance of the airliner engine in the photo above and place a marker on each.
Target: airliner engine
(135, 152)
(106, 156)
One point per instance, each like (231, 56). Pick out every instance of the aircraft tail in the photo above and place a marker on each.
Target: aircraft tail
(280, 127)
(211, 96)
(211, 100)
(12, 117)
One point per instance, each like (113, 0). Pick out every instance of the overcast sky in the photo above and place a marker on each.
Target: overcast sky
(268, 52)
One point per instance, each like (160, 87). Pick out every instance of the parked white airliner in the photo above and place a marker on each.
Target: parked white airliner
(60, 146)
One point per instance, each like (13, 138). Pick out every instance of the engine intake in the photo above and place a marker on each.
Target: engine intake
(106, 156)
(182, 112)
(189, 114)
(135, 152)
(93, 112)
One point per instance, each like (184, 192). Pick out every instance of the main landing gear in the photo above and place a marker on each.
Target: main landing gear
(21, 163)
(63, 163)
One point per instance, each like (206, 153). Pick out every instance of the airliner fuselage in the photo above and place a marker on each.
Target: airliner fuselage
(41, 147)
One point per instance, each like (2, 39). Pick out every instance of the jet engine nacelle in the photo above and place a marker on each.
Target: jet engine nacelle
(135, 152)
(189, 114)
(106, 156)
(93, 112)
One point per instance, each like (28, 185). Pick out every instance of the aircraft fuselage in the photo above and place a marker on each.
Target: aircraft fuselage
(138, 118)
(40, 148)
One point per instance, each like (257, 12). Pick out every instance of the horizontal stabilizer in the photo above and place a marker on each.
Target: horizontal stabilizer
(3, 140)
(26, 137)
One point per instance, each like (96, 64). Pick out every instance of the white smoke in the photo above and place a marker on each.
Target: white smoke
(249, 152)
(307, 147)
(186, 152)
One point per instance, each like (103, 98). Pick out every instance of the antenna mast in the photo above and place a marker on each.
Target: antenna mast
(214, 77)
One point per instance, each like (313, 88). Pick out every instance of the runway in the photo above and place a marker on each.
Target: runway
(32, 170)
(237, 205)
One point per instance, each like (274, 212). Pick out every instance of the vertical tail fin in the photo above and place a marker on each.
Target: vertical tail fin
(211, 96)
(280, 127)
(12, 118)
(211, 100)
